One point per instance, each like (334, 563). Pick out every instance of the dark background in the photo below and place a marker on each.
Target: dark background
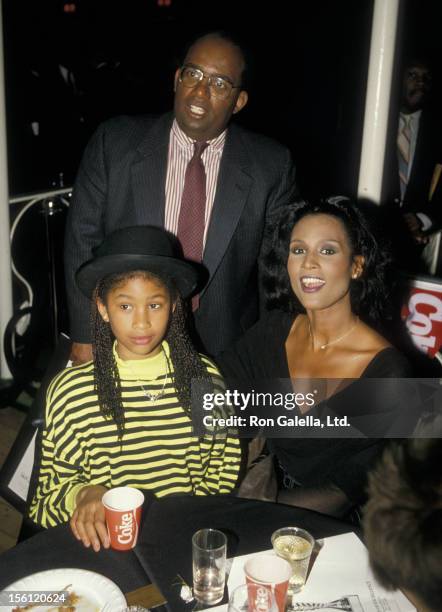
(310, 64)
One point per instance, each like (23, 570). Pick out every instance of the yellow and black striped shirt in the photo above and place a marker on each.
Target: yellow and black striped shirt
(158, 451)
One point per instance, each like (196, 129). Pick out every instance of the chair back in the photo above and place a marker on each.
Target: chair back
(18, 476)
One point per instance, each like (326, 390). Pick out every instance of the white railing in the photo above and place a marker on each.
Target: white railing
(51, 202)
(5, 268)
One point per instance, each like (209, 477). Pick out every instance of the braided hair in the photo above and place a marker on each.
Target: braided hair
(187, 362)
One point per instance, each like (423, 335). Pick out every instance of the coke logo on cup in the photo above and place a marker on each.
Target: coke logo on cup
(126, 529)
(122, 506)
(424, 309)
(262, 600)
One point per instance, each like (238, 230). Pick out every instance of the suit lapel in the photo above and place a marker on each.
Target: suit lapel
(233, 186)
(149, 171)
(418, 186)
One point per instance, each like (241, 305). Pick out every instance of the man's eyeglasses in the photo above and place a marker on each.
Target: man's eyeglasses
(220, 87)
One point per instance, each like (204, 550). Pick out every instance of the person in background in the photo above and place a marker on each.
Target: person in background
(403, 521)
(326, 291)
(126, 418)
(214, 185)
(414, 164)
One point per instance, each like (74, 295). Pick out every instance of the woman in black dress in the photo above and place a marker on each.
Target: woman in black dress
(326, 292)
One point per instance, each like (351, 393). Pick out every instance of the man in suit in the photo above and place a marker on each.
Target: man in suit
(415, 161)
(134, 172)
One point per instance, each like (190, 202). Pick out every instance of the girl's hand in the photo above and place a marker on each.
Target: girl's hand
(88, 522)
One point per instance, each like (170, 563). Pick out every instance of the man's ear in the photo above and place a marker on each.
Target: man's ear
(241, 101)
(176, 78)
(103, 311)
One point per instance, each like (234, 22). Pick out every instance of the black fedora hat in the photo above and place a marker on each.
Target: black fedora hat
(140, 247)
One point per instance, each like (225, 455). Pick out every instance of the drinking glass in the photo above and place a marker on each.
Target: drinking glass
(262, 600)
(209, 565)
(295, 545)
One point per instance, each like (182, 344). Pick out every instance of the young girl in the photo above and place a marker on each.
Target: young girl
(124, 419)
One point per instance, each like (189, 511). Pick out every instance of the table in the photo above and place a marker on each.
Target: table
(57, 547)
(165, 547)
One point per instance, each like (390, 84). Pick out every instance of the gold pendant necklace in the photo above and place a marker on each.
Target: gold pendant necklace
(153, 396)
(324, 346)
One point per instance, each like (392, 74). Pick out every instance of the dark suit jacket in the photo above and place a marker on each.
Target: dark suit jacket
(427, 154)
(121, 182)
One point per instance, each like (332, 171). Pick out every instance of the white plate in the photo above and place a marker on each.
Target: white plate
(97, 593)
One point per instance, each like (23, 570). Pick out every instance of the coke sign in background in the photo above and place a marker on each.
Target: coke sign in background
(423, 315)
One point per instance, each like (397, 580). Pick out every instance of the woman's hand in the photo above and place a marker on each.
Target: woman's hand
(88, 522)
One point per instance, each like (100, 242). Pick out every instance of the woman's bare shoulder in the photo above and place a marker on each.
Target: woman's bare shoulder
(372, 341)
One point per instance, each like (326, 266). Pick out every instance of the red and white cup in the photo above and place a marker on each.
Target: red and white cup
(270, 572)
(122, 507)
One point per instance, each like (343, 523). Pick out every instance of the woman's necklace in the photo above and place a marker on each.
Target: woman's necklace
(153, 396)
(324, 346)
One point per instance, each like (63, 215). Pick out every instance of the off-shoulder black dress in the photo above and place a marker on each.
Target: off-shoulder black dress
(318, 462)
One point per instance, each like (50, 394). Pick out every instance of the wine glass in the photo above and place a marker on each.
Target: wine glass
(295, 545)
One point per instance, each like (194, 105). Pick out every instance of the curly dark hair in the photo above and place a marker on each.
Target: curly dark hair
(187, 362)
(368, 293)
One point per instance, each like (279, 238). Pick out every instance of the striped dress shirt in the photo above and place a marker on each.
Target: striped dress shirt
(180, 153)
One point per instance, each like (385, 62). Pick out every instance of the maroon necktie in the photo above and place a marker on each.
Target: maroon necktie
(193, 210)
(193, 206)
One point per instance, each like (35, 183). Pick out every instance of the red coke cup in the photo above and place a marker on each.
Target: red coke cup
(122, 507)
(267, 571)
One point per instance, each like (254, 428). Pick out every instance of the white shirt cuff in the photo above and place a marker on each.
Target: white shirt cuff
(426, 221)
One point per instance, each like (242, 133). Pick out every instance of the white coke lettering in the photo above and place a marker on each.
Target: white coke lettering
(262, 599)
(125, 530)
(420, 324)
